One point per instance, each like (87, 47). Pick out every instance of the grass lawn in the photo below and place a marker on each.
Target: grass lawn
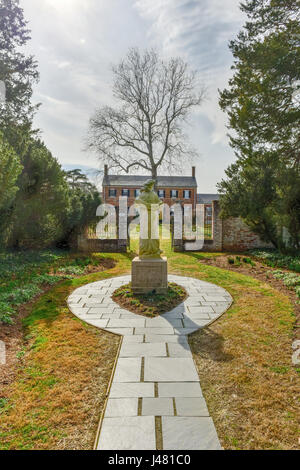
(58, 389)
(244, 362)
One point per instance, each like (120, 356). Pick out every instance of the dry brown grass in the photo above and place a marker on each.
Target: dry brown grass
(244, 362)
(59, 390)
(245, 369)
(59, 394)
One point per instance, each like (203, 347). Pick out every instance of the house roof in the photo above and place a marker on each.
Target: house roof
(207, 198)
(136, 181)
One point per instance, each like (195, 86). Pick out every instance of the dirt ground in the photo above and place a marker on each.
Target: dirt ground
(152, 304)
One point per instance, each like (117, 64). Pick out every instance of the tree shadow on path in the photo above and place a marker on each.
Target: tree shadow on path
(206, 343)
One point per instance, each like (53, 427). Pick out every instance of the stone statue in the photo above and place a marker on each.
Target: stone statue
(149, 247)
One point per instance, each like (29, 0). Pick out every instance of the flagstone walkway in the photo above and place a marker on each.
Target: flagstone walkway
(155, 399)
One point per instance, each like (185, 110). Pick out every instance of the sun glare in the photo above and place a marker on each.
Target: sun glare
(64, 4)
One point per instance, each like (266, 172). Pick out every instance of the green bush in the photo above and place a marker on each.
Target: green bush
(6, 312)
(278, 260)
(76, 270)
(289, 279)
(24, 274)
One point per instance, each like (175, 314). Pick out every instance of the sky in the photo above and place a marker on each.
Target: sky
(76, 43)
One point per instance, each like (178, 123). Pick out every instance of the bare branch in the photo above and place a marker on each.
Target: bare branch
(156, 96)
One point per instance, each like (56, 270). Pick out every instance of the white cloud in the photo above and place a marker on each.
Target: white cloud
(199, 30)
(77, 41)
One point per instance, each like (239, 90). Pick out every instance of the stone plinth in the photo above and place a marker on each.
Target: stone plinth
(150, 274)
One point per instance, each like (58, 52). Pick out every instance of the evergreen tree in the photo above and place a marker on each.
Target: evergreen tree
(262, 103)
(10, 169)
(42, 200)
(17, 70)
(84, 200)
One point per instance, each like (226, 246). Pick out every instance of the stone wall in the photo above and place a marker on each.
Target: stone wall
(238, 237)
(94, 245)
(230, 234)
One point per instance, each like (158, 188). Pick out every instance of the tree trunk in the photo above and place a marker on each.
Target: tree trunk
(154, 177)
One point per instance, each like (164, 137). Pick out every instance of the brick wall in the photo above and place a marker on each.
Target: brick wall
(230, 234)
(238, 237)
(167, 199)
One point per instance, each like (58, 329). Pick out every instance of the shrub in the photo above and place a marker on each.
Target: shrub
(289, 279)
(278, 260)
(77, 270)
(6, 312)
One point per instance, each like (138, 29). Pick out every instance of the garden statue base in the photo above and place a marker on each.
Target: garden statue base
(149, 274)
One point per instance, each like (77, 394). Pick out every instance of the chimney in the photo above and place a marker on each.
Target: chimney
(105, 170)
(193, 171)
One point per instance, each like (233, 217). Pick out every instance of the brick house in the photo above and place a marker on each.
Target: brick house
(220, 234)
(171, 189)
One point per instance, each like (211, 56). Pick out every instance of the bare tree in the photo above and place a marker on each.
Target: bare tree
(145, 132)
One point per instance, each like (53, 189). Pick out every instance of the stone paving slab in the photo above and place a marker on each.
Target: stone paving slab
(191, 406)
(197, 310)
(165, 339)
(179, 350)
(174, 315)
(189, 433)
(157, 407)
(134, 322)
(133, 339)
(188, 331)
(132, 390)
(155, 373)
(100, 310)
(170, 369)
(163, 322)
(121, 331)
(121, 407)
(128, 433)
(143, 350)
(100, 323)
(128, 370)
(176, 389)
(152, 331)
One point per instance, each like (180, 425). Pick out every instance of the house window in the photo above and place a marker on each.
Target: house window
(187, 194)
(174, 193)
(208, 212)
(112, 192)
(137, 192)
(125, 192)
(161, 193)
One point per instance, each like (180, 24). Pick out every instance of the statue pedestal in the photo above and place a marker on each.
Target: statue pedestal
(149, 274)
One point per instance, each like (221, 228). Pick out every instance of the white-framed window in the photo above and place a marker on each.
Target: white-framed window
(161, 193)
(187, 194)
(112, 192)
(137, 192)
(174, 193)
(125, 192)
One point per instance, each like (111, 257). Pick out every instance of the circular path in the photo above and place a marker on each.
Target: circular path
(155, 399)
